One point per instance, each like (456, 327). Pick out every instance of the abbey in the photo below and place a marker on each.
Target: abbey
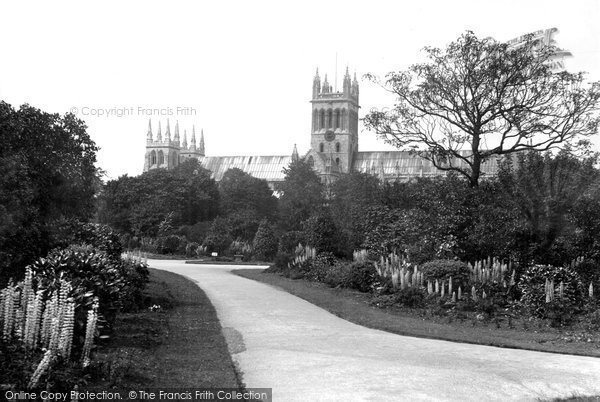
(333, 145)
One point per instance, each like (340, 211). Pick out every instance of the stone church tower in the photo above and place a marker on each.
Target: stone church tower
(334, 128)
(168, 153)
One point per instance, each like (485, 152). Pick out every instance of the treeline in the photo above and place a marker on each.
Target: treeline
(540, 208)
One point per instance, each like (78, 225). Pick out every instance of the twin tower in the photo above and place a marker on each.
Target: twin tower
(333, 146)
(168, 153)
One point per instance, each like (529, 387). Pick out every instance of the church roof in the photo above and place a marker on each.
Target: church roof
(269, 168)
(403, 165)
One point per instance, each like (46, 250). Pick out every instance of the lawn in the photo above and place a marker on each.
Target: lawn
(357, 307)
(178, 345)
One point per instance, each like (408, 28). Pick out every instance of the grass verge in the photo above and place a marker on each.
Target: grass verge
(355, 307)
(179, 345)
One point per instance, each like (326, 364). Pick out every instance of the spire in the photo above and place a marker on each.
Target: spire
(184, 144)
(295, 156)
(193, 141)
(347, 86)
(149, 135)
(159, 135)
(355, 86)
(201, 147)
(168, 132)
(176, 138)
(326, 87)
(316, 84)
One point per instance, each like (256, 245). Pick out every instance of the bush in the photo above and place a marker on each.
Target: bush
(190, 249)
(589, 271)
(361, 276)
(282, 260)
(337, 275)
(172, 244)
(290, 240)
(265, 243)
(102, 237)
(533, 290)
(410, 297)
(217, 239)
(442, 270)
(320, 266)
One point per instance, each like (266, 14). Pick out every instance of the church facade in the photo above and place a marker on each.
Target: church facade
(333, 149)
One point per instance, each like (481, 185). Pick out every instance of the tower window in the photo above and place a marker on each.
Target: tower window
(337, 118)
(329, 118)
(161, 157)
(311, 161)
(337, 161)
(321, 147)
(337, 147)
(322, 123)
(153, 158)
(315, 120)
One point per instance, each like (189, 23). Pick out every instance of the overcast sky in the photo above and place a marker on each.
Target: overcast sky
(241, 70)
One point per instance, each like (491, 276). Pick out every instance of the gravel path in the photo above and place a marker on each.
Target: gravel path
(305, 353)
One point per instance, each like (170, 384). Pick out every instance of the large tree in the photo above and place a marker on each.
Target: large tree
(241, 192)
(47, 173)
(480, 98)
(302, 194)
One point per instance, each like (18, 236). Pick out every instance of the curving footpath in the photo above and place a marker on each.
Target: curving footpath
(305, 353)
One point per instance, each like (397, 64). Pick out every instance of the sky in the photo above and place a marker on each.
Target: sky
(241, 70)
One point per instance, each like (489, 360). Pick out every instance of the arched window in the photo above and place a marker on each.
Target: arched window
(337, 161)
(174, 159)
(344, 118)
(321, 147)
(322, 122)
(152, 158)
(329, 118)
(311, 161)
(161, 157)
(336, 118)
(337, 147)
(315, 120)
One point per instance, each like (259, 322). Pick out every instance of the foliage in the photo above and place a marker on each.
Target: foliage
(172, 244)
(544, 189)
(534, 295)
(190, 249)
(218, 238)
(265, 243)
(321, 233)
(361, 276)
(65, 232)
(243, 224)
(288, 241)
(46, 172)
(443, 270)
(352, 195)
(410, 297)
(242, 192)
(302, 195)
(137, 205)
(480, 92)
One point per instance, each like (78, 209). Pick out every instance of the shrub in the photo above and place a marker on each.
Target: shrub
(361, 276)
(337, 275)
(171, 244)
(589, 271)
(533, 290)
(282, 260)
(290, 240)
(265, 243)
(442, 270)
(102, 237)
(410, 297)
(320, 266)
(217, 239)
(190, 249)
